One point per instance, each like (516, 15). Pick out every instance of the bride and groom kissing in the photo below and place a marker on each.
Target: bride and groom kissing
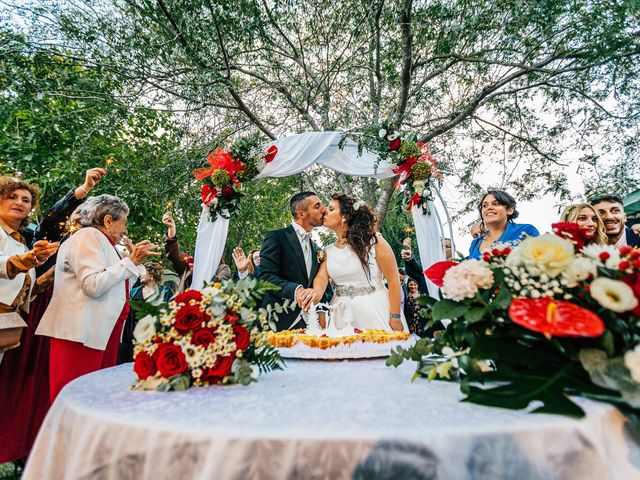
(356, 264)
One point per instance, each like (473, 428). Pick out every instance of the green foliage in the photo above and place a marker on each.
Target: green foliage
(52, 130)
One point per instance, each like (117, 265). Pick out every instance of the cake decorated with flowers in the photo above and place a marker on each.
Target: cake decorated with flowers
(317, 342)
(290, 338)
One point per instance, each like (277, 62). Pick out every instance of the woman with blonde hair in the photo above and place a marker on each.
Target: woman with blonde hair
(588, 221)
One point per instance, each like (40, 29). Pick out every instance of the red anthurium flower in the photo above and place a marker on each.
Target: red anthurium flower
(207, 194)
(414, 201)
(271, 154)
(436, 272)
(555, 318)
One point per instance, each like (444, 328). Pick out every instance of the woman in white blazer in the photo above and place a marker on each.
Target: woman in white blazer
(17, 264)
(89, 303)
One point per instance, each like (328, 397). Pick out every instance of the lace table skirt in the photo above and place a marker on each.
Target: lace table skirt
(316, 420)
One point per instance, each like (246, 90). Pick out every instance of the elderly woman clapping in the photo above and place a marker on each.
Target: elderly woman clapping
(89, 304)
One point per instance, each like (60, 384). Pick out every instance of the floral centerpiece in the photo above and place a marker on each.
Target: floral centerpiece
(204, 337)
(227, 170)
(414, 165)
(538, 322)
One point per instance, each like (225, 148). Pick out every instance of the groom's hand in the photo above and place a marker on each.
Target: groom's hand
(302, 294)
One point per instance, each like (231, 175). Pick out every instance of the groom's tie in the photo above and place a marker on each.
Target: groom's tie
(305, 238)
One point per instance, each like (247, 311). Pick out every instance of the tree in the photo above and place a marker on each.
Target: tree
(516, 84)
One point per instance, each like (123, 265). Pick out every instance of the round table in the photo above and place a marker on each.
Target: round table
(334, 420)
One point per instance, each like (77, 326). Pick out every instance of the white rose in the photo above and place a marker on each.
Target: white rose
(418, 185)
(613, 295)
(392, 136)
(579, 270)
(145, 329)
(382, 133)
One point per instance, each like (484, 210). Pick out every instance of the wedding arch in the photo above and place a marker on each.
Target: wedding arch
(295, 154)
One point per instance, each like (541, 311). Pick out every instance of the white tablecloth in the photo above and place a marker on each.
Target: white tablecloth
(334, 420)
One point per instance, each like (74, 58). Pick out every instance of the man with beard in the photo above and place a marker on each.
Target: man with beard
(289, 258)
(611, 210)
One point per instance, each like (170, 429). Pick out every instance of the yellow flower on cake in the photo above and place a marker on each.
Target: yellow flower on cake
(614, 295)
(545, 255)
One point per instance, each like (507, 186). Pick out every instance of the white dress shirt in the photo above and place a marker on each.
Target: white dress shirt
(304, 238)
(622, 241)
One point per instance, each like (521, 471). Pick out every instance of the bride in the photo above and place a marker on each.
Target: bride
(356, 264)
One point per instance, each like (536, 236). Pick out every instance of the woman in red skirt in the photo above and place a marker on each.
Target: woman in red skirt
(89, 303)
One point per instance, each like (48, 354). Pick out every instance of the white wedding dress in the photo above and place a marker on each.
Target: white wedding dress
(358, 300)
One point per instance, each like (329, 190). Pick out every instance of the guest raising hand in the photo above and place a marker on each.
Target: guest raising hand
(89, 304)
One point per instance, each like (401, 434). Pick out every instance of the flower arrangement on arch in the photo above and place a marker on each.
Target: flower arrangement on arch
(216, 335)
(538, 322)
(228, 169)
(416, 168)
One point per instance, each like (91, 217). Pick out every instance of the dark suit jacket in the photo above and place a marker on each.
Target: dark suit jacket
(282, 263)
(414, 270)
(633, 240)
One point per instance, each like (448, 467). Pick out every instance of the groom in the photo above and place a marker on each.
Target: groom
(288, 258)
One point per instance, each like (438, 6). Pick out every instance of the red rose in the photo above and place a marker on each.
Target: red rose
(395, 144)
(625, 250)
(271, 154)
(190, 318)
(436, 272)
(170, 360)
(506, 251)
(185, 297)
(604, 256)
(636, 264)
(144, 366)
(220, 369)
(227, 192)
(635, 254)
(496, 252)
(203, 337)
(624, 265)
(231, 317)
(242, 336)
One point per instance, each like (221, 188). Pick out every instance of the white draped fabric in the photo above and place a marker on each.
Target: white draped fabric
(212, 236)
(319, 420)
(296, 153)
(429, 236)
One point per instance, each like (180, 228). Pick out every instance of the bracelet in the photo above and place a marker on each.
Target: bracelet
(395, 315)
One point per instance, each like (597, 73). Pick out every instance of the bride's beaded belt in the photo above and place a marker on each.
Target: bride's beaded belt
(350, 291)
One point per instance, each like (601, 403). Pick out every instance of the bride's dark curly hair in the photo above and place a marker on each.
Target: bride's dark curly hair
(361, 234)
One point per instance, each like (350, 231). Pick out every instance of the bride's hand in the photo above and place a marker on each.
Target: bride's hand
(316, 296)
(396, 324)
